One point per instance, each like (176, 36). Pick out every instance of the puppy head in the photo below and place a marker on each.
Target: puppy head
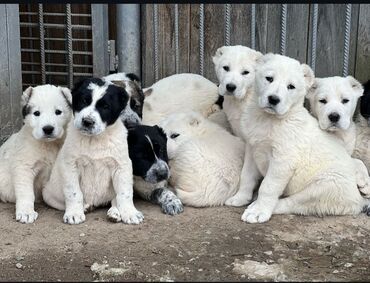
(281, 83)
(179, 128)
(234, 66)
(365, 102)
(96, 105)
(47, 110)
(132, 114)
(148, 153)
(333, 101)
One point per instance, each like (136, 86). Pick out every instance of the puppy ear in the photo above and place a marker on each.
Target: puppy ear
(218, 54)
(160, 131)
(119, 83)
(26, 96)
(311, 91)
(356, 85)
(66, 92)
(257, 55)
(147, 91)
(309, 76)
(264, 58)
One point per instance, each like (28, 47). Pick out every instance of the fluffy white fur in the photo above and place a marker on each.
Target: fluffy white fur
(180, 93)
(234, 65)
(339, 95)
(204, 158)
(299, 161)
(27, 157)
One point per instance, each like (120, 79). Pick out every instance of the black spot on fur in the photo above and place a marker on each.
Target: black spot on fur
(26, 110)
(365, 101)
(220, 101)
(133, 77)
(155, 195)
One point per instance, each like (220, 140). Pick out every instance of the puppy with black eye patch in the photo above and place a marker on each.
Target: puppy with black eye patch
(27, 157)
(148, 153)
(93, 167)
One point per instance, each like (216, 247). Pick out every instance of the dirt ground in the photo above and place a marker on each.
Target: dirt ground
(198, 245)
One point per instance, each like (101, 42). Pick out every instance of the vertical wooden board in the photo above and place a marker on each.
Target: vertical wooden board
(273, 28)
(184, 38)
(297, 31)
(194, 39)
(214, 31)
(363, 45)
(353, 40)
(147, 45)
(261, 27)
(241, 24)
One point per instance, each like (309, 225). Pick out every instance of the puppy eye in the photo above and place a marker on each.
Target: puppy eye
(291, 86)
(36, 113)
(173, 136)
(245, 73)
(345, 100)
(270, 79)
(58, 112)
(226, 68)
(323, 101)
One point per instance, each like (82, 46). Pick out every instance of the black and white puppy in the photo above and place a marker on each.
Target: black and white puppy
(365, 102)
(148, 153)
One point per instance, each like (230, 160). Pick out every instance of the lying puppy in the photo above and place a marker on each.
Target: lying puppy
(205, 159)
(27, 157)
(93, 167)
(365, 103)
(298, 160)
(148, 152)
(333, 102)
(133, 112)
(234, 66)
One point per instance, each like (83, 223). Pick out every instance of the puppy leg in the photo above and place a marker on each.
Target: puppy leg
(73, 196)
(23, 178)
(113, 212)
(168, 201)
(272, 187)
(362, 178)
(123, 186)
(248, 181)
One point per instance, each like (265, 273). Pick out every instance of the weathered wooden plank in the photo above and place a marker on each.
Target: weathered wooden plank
(241, 24)
(273, 28)
(194, 39)
(184, 38)
(147, 45)
(261, 27)
(363, 44)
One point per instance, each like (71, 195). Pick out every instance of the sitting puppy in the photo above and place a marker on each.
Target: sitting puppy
(93, 167)
(234, 66)
(298, 160)
(132, 114)
(205, 159)
(333, 102)
(27, 157)
(148, 152)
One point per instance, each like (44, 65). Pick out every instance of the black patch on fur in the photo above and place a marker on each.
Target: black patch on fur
(220, 101)
(140, 150)
(26, 110)
(137, 100)
(155, 195)
(365, 101)
(133, 77)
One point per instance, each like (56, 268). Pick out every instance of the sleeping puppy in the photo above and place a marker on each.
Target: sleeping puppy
(148, 153)
(133, 112)
(93, 167)
(27, 157)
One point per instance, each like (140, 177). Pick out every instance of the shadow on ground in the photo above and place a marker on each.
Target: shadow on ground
(198, 245)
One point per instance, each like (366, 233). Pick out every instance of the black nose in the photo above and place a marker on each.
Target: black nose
(230, 87)
(48, 130)
(162, 175)
(273, 99)
(87, 122)
(334, 117)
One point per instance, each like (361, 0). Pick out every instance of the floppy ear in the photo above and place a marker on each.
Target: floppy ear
(147, 91)
(67, 95)
(160, 131)
(257, 55)
(311, 91)
(26, 96)
(356, 85)
(119, 83)
(308, 75)
(218, 54)
(264, 58)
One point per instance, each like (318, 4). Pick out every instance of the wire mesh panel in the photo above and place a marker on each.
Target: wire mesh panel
(57, 43)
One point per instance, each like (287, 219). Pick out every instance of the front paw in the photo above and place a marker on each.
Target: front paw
(172, 207)
(74, 217)
(131, 216)
(26, 217)
(256, 213)
(238, 200)
(114, 215)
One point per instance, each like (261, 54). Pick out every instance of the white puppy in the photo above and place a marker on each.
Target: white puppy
(27, 157)
(298, 160)
(93, 167)
(204, 158)
(234, 66)
(333, 102)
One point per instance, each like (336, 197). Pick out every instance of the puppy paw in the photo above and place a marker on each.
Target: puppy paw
(74, 217)
(26, 217)
(256, 213)
(365, 191)
(132, 216)
(114, 215)
(237, 200)
(172, 207)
